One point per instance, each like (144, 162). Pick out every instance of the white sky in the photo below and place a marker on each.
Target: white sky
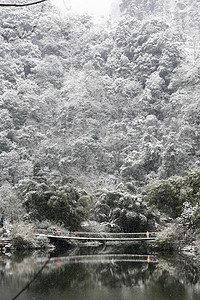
(92, 7)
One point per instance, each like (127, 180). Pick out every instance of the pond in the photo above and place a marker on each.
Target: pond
(99, 276)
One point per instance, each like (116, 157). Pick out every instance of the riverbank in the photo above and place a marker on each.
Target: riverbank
(172, 239)
(21, 237)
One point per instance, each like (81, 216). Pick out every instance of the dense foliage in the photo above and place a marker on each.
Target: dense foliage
(170, 195)
(60, 203)
(108, 102)
(105, 103)
(122, 212)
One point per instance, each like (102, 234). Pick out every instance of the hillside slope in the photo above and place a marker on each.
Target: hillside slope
(104, 104)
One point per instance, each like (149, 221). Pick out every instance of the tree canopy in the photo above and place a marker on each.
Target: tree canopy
(107, 104)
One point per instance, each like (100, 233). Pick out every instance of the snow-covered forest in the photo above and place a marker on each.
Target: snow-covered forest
(103, 116)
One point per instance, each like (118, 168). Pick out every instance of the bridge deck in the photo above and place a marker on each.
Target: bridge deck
(97, 238)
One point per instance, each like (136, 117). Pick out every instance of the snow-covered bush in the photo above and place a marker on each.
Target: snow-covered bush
(24, 238)
(168, 238)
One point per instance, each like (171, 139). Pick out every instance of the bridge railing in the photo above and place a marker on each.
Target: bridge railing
(97, 234)
(116, 235)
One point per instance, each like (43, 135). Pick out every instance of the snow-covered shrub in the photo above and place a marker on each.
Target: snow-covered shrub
(23, 237)
(168, 238)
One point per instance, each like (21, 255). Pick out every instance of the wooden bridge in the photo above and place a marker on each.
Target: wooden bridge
(100, 236)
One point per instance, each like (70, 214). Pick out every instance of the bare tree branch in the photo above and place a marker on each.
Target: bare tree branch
(21, 5)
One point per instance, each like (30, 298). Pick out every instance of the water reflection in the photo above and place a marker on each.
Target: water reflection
(99, 277)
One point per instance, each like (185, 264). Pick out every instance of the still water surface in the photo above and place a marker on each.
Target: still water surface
(98, 277)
